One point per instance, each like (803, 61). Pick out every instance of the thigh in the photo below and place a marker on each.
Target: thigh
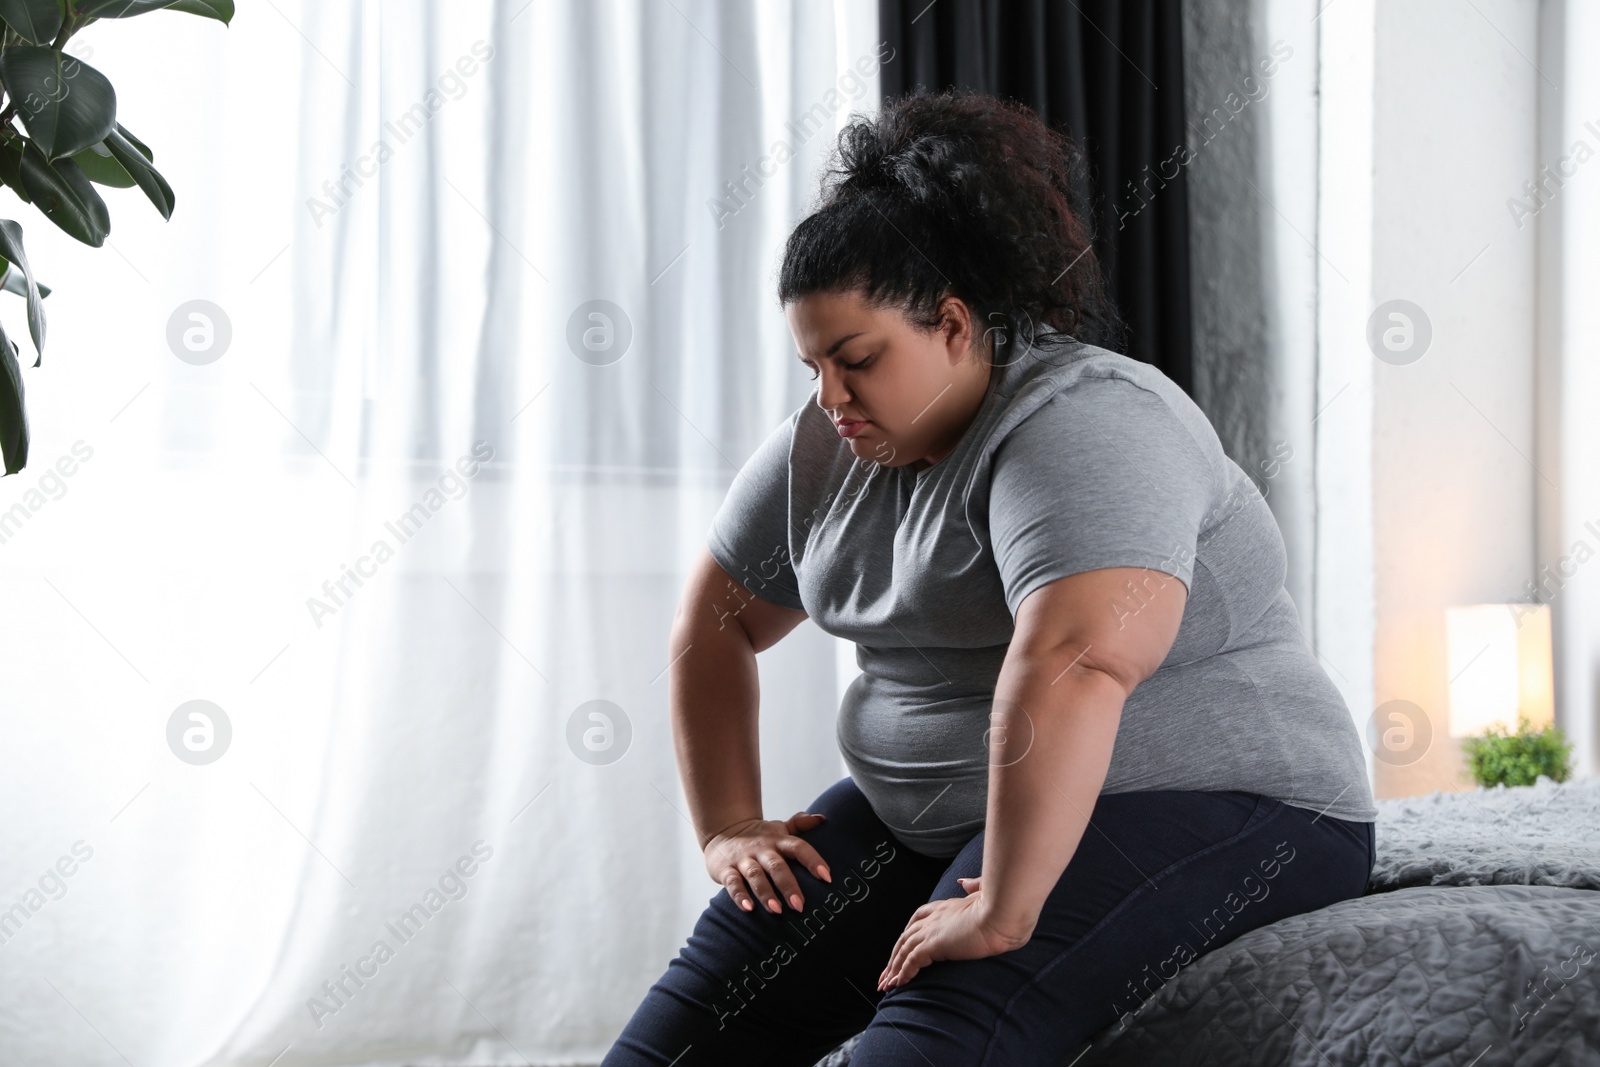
(1159, 879)
(787, 988)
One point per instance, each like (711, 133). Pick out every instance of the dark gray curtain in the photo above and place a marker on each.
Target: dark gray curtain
(1108, 73)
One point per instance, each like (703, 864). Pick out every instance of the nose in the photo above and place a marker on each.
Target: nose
(831, 391)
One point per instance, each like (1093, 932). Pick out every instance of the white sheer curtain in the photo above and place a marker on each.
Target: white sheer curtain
(406, 528)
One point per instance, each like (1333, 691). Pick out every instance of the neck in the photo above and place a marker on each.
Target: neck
(953, 439)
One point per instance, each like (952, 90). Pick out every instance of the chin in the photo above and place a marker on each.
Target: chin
(863, 450)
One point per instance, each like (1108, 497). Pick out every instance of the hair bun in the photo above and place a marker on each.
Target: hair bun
(929, 168)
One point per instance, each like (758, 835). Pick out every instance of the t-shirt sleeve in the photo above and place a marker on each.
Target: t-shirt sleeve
(749, 536)
(1104, 474)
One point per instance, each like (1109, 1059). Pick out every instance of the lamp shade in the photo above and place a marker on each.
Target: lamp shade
(1499, 663)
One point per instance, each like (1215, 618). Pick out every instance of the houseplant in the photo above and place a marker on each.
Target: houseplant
(70, 141)
(1498, 758)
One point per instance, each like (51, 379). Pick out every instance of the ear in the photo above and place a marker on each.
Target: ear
(958, 327)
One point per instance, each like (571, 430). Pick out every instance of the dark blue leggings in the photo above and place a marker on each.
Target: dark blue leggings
(1159, 878)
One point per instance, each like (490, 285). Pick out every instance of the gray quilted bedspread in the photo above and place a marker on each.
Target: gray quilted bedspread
(1475, 946)
(1481, 975)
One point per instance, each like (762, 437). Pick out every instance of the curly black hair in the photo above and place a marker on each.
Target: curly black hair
(957, 194)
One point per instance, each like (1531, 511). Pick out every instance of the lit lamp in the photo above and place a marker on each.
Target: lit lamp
(1499, 667)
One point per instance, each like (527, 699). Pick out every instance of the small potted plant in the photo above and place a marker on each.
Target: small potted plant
(1498, 758)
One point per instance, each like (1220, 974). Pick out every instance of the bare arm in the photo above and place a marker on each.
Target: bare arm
(1076, 653)
(1075, 656)
(714, 693)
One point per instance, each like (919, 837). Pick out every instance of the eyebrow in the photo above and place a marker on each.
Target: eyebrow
(833, 348)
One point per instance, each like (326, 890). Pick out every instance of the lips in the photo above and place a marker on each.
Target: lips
(850, 427)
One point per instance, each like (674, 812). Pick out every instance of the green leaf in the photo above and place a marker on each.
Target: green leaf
(11, 248)
(60, 190)
(101, 167)
(11, 167)
(221, 10)
(13, 416)
(118, 9)
(13, 280)
(36, 21)
(140, 145)
(65, 104)
(154, 185)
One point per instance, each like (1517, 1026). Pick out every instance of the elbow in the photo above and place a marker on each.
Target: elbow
(681, 635)
(1083, 661)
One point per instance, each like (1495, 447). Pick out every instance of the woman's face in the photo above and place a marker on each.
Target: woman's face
(903, 395)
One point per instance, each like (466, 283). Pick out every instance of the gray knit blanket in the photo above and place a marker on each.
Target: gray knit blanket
(1541, 834)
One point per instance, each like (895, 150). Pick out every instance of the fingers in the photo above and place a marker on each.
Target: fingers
(971, 885)
(808, 857)
(754, 871)
(778, 867)
(767, 872)
(904, 961)
(915, 960)
(888, 968)
(802, 821)
(908, 937)
(734, 884)
(749, 870)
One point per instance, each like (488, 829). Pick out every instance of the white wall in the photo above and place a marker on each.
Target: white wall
(1455, 99)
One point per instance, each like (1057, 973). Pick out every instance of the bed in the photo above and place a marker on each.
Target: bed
(1475, 945)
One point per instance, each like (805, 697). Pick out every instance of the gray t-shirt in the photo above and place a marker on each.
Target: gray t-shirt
(1078, 458)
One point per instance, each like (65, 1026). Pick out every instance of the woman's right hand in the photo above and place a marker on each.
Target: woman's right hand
(753, 851)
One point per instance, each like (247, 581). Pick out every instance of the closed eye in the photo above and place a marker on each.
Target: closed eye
(858, 365)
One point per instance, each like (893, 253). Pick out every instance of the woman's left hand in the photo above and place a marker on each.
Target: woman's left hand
(954, 929)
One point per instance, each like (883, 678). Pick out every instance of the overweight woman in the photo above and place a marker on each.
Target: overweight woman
(1089, 742)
